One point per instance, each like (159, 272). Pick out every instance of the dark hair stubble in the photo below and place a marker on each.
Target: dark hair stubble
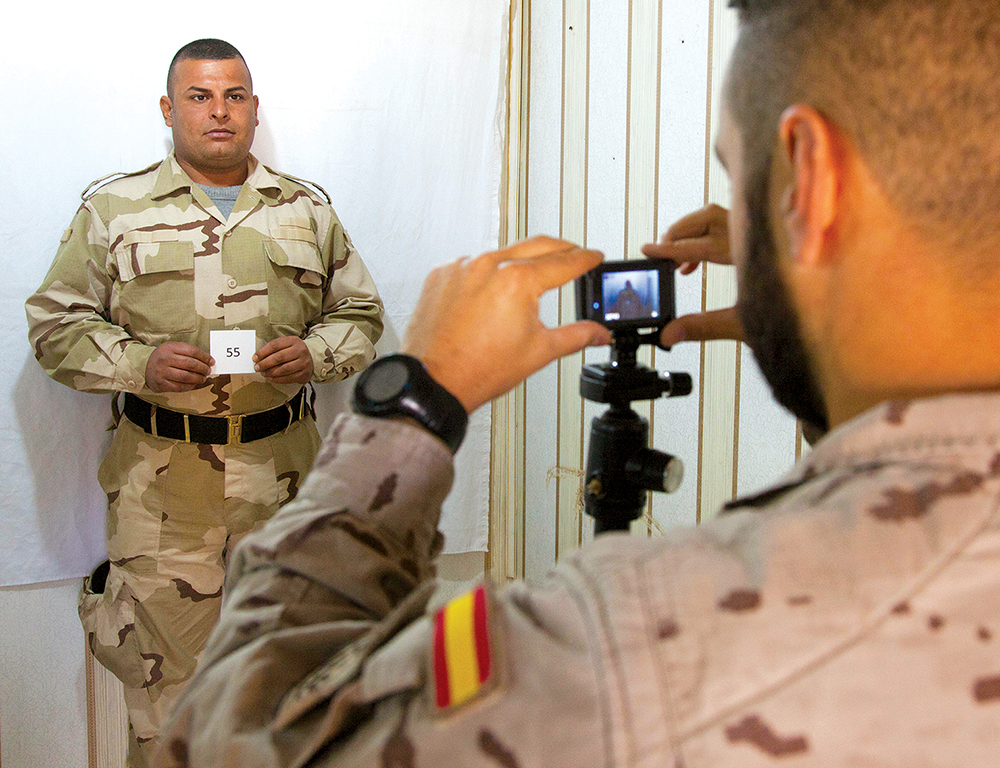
(205, 49)
(912, 84)
(770, 324)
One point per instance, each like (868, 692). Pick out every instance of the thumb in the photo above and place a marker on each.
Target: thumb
(567, 339)
(705, 326)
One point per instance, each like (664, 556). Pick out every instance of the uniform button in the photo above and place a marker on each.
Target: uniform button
(232, 282)
(132, 385)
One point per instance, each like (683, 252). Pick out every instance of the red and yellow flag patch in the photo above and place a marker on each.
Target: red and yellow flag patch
(463, 659)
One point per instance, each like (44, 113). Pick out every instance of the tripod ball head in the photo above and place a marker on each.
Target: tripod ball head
(621, 467)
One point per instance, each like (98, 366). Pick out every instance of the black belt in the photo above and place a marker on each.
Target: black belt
(216, 430)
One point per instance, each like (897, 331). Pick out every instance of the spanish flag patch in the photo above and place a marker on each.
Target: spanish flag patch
(463, 656)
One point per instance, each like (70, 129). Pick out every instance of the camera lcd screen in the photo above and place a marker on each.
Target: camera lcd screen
(631, 295)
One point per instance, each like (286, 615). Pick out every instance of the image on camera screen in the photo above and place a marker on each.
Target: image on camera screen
(632, 295)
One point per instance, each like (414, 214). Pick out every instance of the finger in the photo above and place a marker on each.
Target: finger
(704, 326)
(283, 350)
(538, 245)
(551, 270)
(285, 361)
(204, 357)
(687, 267)
(697, 224)
(182, 350)
(570, 338)
(179, 386)
(697, 249)
(184, 363)
(269, 349)
(287, 374)
(187, 369)
(282, 365)
(272, 360)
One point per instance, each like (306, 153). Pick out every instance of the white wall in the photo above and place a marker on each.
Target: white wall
(389, 105)
(43, 697)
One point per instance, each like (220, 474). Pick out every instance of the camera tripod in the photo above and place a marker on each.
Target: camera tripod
(621, 466)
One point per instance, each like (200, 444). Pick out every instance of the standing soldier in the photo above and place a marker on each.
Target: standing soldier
(207, 240)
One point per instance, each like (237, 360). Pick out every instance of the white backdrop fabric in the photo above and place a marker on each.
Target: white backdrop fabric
(395, 107)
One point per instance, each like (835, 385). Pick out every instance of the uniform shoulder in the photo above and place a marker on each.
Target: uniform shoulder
(120, 181)
(311, 188)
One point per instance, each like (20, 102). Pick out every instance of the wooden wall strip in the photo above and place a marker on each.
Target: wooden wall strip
(107, 719)
(720, 371)
(642, 152)
(505, 556)
(572, 226)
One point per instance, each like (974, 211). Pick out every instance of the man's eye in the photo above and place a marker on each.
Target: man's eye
(199, 97)
(236, 96)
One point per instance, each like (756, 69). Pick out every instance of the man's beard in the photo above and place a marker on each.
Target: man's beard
(770, 325)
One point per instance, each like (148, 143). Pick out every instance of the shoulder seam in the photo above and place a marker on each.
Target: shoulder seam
(304, 182)
(92, 188)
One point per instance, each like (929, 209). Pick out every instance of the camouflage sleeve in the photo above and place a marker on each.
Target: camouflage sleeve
(68, 317)
(352, 546)
(342, 340)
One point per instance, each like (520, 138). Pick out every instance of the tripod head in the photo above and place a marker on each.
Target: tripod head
(621, 466)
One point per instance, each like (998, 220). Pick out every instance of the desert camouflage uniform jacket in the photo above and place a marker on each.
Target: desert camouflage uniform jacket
(149, 259)
(849, 616)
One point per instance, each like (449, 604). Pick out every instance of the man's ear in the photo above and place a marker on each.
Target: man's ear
(167, 108)
(808, 145)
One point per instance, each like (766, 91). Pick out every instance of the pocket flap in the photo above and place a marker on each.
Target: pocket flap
(146, 258)
(300, 252)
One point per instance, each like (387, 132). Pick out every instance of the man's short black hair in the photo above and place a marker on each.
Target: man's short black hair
(206, 49)
(913, 84)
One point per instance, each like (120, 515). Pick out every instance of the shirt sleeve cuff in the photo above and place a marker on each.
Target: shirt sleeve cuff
(130, 373)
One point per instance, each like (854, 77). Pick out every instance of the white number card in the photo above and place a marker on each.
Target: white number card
(233, 351)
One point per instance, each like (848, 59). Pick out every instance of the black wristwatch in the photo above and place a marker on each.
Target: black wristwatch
(399, 385)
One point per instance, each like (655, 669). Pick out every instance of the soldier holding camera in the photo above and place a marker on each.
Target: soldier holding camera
(845, 616)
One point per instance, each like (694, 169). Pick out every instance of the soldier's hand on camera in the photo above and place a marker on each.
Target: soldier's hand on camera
(285, 361)
(476, 327)
(698, 237)
(176, 366)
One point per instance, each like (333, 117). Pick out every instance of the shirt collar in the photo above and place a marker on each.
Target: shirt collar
(172, 177)
(957, 429)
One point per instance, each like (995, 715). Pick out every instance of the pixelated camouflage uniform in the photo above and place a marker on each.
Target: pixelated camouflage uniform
(149, 259)
(848, 616)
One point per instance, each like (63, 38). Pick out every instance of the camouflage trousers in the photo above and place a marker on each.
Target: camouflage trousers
(175, 511)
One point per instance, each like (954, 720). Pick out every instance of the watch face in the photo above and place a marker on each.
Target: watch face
(399, 386)
(387, 381)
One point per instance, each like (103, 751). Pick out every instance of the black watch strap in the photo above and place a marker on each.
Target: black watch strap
(399, 385)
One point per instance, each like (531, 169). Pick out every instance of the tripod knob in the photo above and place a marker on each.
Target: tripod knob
(655, 470)
(678, 384)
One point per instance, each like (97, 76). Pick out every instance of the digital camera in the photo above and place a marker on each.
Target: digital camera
(627, 295)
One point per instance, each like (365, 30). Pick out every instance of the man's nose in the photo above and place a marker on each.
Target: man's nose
(220, 108)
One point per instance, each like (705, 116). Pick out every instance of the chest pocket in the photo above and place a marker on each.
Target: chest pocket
(296, 275)
(156, 283)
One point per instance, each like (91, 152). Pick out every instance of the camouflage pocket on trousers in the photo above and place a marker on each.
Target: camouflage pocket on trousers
(108, 620)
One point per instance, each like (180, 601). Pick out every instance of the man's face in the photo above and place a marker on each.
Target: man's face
(212, 113)
(770, 324)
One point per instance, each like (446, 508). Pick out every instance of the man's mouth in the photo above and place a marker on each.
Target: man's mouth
(219, 133)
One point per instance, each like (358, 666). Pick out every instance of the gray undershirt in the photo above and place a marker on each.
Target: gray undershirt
(223, 197)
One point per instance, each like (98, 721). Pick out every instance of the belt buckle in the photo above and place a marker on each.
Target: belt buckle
(235, 428)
